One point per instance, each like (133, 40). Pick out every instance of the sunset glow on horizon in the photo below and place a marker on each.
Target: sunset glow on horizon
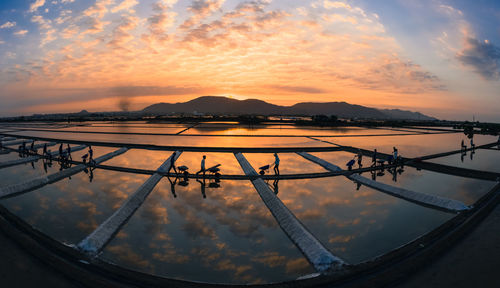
(441, 58)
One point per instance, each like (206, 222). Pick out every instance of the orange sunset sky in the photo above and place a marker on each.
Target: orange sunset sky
(437, 57)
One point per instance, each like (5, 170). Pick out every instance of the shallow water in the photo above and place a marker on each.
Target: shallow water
(222, 232)
(226, 236)
(480, 159)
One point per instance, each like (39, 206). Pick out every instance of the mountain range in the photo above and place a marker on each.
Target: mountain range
(218, 105)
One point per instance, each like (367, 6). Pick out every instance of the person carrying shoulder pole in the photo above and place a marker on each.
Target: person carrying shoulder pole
(360, 158)
(202, 166)
(172, 163)
(69, 153)
(276, 164)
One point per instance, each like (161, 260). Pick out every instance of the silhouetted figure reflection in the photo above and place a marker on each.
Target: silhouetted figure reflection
(47, 158)
(214, 184)
(394, 174)
(185, 180)
(360, 158)
(275, 186)
(202, 185)
(374, 175)
(358, 185)
(172, 185)
(462, 155)
(33, 151)
(84, 158)
(374, 158)
(395, 171)
(45, 166)
(463, 147)
(350, 164)
(90, 172)
(22, 150)
(472, 152)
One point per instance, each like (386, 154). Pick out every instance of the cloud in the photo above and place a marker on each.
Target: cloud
(36, 96)
(35, 5)
(336, 4)
(42, 23)
(247, 48)
(132, 91)
(449, 10)
(64, 16)
(94, 25)
(124, 5)
(205, 7)
(160, 21)
(21, 32)
(50, 36)
(482, 57)
(299, 89)
(252, 6)
(7, 24)
(121, 34)
(99, 8)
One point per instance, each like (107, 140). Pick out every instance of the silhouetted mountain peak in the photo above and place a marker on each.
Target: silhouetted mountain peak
(230, 106)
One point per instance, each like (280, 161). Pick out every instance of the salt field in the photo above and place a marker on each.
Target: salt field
(223, 227)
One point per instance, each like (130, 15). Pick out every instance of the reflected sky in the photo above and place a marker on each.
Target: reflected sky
(356, 225)
(413, 145)
(222, 231)
(72, 208)
(211, 129)
(181, 140)
(458, 188)
(480, 159)
(229, 236)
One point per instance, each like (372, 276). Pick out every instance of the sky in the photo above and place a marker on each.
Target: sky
(438, 57)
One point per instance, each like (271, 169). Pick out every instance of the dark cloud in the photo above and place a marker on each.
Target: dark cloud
(483, 57)
(33, 97)
(133, 91)
(301, 89)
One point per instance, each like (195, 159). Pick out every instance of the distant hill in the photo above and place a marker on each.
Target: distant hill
(224, 105)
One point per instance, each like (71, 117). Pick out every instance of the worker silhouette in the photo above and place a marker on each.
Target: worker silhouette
(202, 166)
(276, 164)
(172, 163)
